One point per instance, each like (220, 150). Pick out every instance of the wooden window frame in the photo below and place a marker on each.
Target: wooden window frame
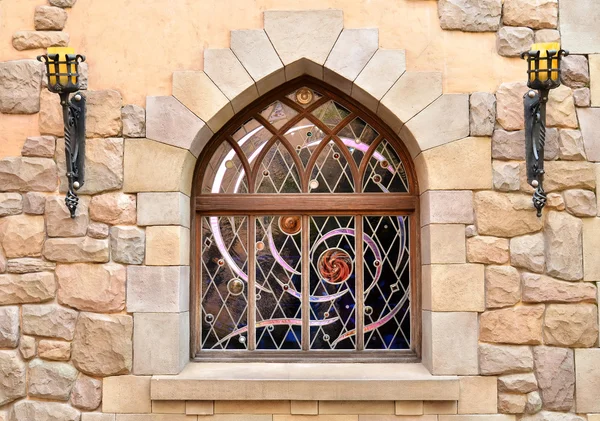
(305, 204)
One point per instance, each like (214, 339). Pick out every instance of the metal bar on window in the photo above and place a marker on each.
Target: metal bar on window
(251, 283)
(360, 285)
(305, 314)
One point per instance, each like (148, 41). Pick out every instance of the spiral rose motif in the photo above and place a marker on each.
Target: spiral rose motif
(335, 266)
(290, 224)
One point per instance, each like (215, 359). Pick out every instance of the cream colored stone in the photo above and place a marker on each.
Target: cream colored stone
(504, 359)
(98, 230)
(505, 215)
(589, 120)
(127, 245)
(89, 287)
(102, 345)
(515, 325)
(561, 175)
(226, 71)
(103, 117)
(571, 145)
(487, 250)
(575, 71)
(543, 289)
(508, 145)
(555, 371)
(502, 286)
(517, 383)
(394, 418)
(356, 407)
(50, 116)
(303, 39)
(591, 245)
(155, 417)
(547, 35)
(443, 121)
(50, 380)
(447, 207)
(409, 407)
(457, 287)
(555, 201)
(9, 326)
(478, 395)
(304, 407)
(58, 218)
(440, 407)
(86, 393)
(167, 245)
(249, 407)
(76, 250)
(160, 342)
(27, 347)
(27, 288)
(482, 108)
(443, 243)
(467, 16)
(511, 42)
(126, 394)
(39, 146)
(594, 62)
(153, 166)
(43, 411)
(10, 204)
(408, 96)
(31, 40)
(582, 97)
(536, 14)
(197, 92)
(168, 121)
(488, 417)
(158, 289)
(54, 350)
(561, 108)
(22, 235)
(506, 176)
(256, 53)
(450, 343)
(527, 252)
(571, 325)
(28, 174)
(509, 403)
(580, 202)
(199, 407)
(587, 374)
(114, 208)
(564, 249)
(509, 107)
(168, 407)
(20, 84)
(134, 121)
(463, 164)
(49, 320)
(13, 386)
(171, 208)
(48, 18)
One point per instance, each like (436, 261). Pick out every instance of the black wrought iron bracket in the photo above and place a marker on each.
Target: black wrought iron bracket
(74, 121)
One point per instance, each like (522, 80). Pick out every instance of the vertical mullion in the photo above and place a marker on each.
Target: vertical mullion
(251, 283)
(360, 284)
(305, 314)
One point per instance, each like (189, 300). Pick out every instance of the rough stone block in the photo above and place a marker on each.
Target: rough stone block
(161, 342)
(167, 245)
(571, 145)
(12, 386)
(9, 327)
(33, 40)
(469, 15)
(589, 119)
(49, 18)
(518, 383)
(537, 14)
(103, 117)
(505, 215)
(562, 175)
(482, 107)
(580, 202)
(126, 394)
(127, 245)
(54, 350)
(43, 411)
(27, 288)
(508, 145)
(555, 372)
(10, 204)
(506, 176)
(58, 218)
(509, 107)
(502, 286)
(20, 85)
(34, 203)
(443, 243)
(39, 146)
(453, 287)
(28, 174)
(49, 320)
(447, 207)
(134, 121)
(86, 393)
(114, 208)
(561, 108)
(509, 403)
(76, 250)
(582, 97)
(564, 246)
(51, 380)
(27, 347)
(511, 42)
(487, 250)
(98, 230)
(575, 71)
(547, 35)
(544, 289)
(587, 375)
(504, 359)
(527, 252)
(515, 325)
(158, 289)
(571, 325)
(171, 208)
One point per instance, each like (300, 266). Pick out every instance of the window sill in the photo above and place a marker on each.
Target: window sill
(304, 381)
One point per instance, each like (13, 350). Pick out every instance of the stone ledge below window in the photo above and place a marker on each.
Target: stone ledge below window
(304, 381)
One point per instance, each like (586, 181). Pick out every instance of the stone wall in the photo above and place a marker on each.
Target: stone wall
(92, 307)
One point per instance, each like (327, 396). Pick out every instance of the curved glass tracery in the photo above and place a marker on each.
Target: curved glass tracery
(326, 281)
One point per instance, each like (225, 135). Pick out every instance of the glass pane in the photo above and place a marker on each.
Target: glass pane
(224, 282)
(331, 173)
(304, 96)
(332, 282)
(277, 172)
(386, 282)
(304, 138)
(278, 282)
(252, 138)
(278, 114)
(385, 171)
(225, 173)
(357, 136)
(331, 113)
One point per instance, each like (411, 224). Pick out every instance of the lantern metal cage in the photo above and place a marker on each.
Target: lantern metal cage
(541, 73)
(57, 78)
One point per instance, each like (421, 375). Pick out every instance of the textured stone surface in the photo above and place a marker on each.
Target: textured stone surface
(551, 416)
(39, 146)
(505, 215)
(504, 359)
(571, 145)
(13, 380)
(103, 117)
(478, 395)
(469, 15)
(98, 230)
(508, 145)
(63, 3)
(447, 207)
(54, 350)
(134, 121)
(502, 286)
(114, 208)
(27, 288)
(561, 108)
(509, 403)
(506, 176)
(27, 347)
(555, 201)
(582, 97)
(534, 402)
(28, 265)
(76, 250)
(547, 35)
(34, 203)
(90, 287)
(127, 245)
(543, 289)
(43, 411)
(571, 325)
(563, 235)
(58, 218)
(103, 165)
(49, 320)
(594, 61)
(488, 250)
(86, 393)
(49, 18)
(527, 252)
(20, 84)
(511, 42)
(535, 14)
(575, 71)
(168, 208)
(102, 345)
(9, 327)
(10, 204)
(22, 235)
(482, 113)
(31, 40)
(562, 175)
(517, 383)
(587, 378)
(516, 325)
(51, 380)
(28, 174)
(580, 202)
(509, 107)
(157, 289)
(589, 118)
(555, 372)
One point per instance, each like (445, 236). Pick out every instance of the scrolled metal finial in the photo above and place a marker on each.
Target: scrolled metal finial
(539, 199)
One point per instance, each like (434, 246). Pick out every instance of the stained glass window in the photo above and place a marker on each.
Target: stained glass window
(306, 217)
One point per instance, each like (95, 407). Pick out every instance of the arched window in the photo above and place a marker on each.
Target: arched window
(305, 233)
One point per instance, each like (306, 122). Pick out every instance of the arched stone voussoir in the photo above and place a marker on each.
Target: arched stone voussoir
(170, 122)
(411, 93)
(303, 39)
(377, 77)
(256, 53)
(225, 70)
(351, 52)
(198, 92)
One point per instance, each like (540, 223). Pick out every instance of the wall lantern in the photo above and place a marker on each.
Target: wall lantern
(62, 66)
(543, 75)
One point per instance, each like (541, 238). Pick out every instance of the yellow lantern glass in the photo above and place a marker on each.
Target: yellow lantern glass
(543, 48)
(60, 66)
